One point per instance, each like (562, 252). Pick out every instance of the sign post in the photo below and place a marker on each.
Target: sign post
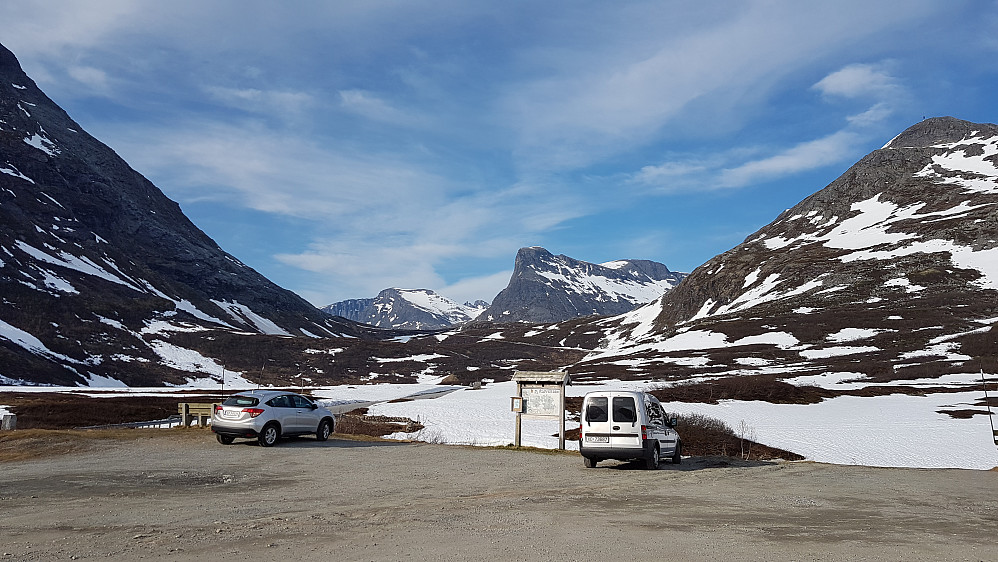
(540, 396)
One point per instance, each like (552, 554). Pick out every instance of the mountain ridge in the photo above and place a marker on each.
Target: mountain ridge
(411, 309)
(890, 271)
(549, 288)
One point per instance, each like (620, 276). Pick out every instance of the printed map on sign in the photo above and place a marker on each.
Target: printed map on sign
(541, 401)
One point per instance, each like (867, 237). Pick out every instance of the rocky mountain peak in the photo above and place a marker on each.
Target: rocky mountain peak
(549, 288)
(939, 130)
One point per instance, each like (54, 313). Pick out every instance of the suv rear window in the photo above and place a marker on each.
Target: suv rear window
(623, 409)
(241, 401)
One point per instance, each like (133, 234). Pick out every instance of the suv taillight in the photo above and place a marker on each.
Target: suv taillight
(253, 412)
(644, 432)
(218, 408)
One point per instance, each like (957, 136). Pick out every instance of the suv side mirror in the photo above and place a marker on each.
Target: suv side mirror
(673, 422)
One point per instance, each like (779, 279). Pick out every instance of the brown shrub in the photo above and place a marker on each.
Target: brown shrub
(353, 423)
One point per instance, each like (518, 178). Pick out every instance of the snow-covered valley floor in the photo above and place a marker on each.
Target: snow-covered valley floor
(896, 430)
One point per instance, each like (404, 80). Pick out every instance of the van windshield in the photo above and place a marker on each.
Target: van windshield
(623, 410)
(597, 410)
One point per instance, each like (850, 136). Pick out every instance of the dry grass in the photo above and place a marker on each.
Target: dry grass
(30, 444)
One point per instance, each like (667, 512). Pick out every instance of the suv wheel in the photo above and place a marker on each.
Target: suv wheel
(268, 437)
(224, 439)
(325, 428)
(677, 457)
(589, 462)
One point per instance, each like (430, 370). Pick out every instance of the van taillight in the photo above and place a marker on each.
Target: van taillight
(644, 432)
(253, 412)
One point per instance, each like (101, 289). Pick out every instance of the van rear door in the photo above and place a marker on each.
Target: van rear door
(596, 422)
(625, 427)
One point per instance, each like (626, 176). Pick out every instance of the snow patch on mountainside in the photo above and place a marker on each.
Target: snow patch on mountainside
(441, 306)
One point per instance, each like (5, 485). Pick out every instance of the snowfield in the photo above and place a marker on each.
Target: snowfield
(889, 431)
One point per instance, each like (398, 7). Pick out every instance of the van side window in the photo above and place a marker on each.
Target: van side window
(597, 410)
(654, 410)
(623, 409)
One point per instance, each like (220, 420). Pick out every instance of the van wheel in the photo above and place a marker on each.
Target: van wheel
(589, 462)
(651, 461)
(677, 457)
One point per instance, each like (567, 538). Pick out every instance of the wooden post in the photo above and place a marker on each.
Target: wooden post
(8, 422)
(186, 415)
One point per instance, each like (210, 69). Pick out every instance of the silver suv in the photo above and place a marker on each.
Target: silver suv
(267, 415)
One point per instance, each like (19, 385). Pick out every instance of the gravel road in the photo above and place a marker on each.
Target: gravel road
(187, 497)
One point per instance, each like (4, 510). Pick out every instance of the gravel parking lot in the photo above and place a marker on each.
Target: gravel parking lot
(179, 495)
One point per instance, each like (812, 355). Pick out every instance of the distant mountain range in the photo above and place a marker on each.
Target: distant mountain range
(549, 288)
(889, 273)
(416, 309)
(543, 288)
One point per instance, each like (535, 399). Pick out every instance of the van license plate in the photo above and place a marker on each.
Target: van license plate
(597, 438)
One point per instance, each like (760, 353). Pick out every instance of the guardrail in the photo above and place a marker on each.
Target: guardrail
(169, 422)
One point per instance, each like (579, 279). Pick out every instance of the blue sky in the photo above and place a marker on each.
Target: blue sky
(341, 148)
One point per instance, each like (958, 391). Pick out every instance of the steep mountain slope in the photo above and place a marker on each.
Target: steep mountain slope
(548, 288)
(414, 309)
(95, 261)
(890, 272)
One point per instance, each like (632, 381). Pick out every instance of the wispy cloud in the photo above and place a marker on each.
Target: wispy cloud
(805, 156)
(266, 102)
(369, 105)
(857, 80)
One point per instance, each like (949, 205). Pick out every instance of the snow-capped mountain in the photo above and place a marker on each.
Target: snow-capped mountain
(549, 288)
(890, 272)
(97, 265)
(412, 309)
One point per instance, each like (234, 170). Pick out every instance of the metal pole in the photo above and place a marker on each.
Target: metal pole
(987, 401)
(561, 418)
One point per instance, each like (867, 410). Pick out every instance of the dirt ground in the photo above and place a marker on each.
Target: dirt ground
(179, 495)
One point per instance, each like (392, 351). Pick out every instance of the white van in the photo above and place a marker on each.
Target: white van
(625, 425)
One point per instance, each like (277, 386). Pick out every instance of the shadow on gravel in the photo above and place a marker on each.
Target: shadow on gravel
(307, 443)
(689, 464)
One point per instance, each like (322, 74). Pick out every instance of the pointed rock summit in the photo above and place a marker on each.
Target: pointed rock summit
(549, 288)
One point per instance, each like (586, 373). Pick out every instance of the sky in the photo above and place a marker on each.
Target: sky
(341, 148)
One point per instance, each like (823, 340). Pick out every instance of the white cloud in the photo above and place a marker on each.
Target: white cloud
(804, 156)
(858, 80)
(370, 106)
(284, 102)
(704, 70)
(95, 78)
